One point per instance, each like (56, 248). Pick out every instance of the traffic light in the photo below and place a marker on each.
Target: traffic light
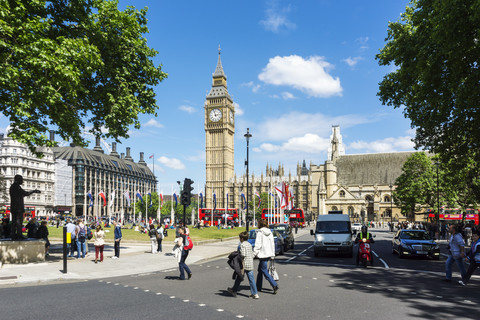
(186, 192)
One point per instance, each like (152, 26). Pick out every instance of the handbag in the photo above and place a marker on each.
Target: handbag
(273, 271)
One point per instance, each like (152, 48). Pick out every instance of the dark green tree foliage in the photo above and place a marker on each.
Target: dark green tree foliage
(68, 64)
(435, 49)
(416, 186)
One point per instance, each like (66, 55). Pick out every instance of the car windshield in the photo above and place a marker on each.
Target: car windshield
(280, 229)
(333, 227)
(414, 235)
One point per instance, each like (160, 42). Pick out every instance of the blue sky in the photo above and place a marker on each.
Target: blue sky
(294, 69)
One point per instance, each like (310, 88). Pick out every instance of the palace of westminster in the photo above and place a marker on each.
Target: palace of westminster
(360, 185)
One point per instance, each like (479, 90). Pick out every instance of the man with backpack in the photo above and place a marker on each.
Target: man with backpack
(117, 237)
(81, 236)
(186, 244)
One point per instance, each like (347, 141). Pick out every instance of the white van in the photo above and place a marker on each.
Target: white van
(333, 234)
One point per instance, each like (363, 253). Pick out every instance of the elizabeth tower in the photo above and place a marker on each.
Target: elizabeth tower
(219, 133)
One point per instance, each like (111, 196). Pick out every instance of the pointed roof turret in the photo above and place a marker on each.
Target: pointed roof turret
(219, 69)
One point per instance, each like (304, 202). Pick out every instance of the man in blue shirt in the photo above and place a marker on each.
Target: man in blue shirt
(118, 238)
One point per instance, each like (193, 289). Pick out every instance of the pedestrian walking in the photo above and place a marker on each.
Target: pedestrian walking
(264, 250)
(153, 234)
(183, 243)
(99, 242)
(118, 237)
(456, 254)
(473, 257)
(246, 253)
(160, 237)
(81, 236)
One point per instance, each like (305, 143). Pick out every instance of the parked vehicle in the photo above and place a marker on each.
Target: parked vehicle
(415, 243)
(356, 227)
(276, 237)
(286, 233)
(333, 234)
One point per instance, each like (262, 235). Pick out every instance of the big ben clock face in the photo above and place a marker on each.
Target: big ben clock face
(215, 115)
(231, 117)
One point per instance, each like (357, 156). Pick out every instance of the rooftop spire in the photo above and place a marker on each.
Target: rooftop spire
(219, 70)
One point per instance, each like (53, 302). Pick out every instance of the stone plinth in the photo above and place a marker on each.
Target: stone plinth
(22, 251)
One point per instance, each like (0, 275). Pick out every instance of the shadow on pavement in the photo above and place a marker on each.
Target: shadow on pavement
(426, 293)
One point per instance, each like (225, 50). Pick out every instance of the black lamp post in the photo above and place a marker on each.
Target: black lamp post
(437, 215)
(391, 203)
(247, 136)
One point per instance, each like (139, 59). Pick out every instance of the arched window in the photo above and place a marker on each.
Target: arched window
(369, 198)
(386, 199)
(342, 194)
(334, 208)
(350, 211)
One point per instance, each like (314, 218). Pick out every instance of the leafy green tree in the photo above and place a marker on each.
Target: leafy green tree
(263, 204)
(416, 186)
(66, 64)
(435, 48)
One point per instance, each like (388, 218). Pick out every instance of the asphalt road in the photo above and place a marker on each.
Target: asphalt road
(310, 288)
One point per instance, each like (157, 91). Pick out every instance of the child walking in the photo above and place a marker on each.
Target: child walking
(246, 253)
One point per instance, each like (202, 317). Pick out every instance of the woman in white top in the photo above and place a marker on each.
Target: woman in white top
(99, 243)
(264, 250)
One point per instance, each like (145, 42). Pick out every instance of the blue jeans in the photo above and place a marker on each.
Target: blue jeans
(253, 286)
(81, 246)
(183, 266)
(263, 272)
(448, 266)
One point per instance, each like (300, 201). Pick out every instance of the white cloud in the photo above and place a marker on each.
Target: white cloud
(276, 19)
(252, 85)
(385, 145)
(362, 41)
(308, 75)
(187, 109)
(309, 143)
(153, 123)
(296, 124)
(287, 95)
(352, 61)
(171, 163)
(238, 111)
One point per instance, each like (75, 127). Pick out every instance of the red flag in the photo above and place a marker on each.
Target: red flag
(101, 194)
(150, 157)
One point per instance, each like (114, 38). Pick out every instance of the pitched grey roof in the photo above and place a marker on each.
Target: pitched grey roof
(219, 69)
(365, 169)
(94, 158)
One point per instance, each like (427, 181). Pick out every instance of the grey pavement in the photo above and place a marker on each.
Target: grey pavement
(135, 258)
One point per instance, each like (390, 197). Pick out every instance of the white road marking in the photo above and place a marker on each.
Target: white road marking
(186, 300)
(158, 293)
(125, 286)
(201, 304)
(220, 310)
(116, 284)
(383, 261)
(172, 297)
(135, 288)
(146, 290)
(301, 253)
(108, 282)
(239, 316)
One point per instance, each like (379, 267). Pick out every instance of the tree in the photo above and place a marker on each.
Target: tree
(416, 186)
(435, 48)
(66, 64)
(254, 202)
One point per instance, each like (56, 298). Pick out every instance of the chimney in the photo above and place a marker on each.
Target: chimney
(52, 135)
(142, 161)
(97, 145)
(122, 155)
(128, 157)
(114, 152)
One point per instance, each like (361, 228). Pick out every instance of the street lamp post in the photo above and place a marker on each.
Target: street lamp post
(391, 203)
(437, 215)
(247, 136)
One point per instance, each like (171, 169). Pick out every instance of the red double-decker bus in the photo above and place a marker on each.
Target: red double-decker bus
(205, 214)
(29, 212)
(456, 215)
(295, 215)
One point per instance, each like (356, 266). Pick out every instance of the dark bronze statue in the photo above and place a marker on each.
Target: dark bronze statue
(17, 207)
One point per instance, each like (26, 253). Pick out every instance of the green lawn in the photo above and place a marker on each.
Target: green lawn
(132, 235)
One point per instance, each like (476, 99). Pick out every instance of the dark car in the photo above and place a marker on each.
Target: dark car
(415, 243)
(285, 231)
(276, 237)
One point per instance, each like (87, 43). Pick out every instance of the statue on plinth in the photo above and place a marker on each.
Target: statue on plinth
(17, 207)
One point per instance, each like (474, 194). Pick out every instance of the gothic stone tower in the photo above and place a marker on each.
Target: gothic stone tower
(219, 132)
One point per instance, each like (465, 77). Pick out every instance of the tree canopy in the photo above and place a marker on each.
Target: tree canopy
(435, 49)
(67, 65)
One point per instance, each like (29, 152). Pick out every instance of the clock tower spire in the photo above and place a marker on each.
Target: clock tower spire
(219, 134)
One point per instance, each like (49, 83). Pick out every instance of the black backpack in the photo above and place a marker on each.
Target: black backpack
(89, 233)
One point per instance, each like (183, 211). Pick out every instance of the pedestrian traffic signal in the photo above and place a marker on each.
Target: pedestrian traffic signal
(187, 192)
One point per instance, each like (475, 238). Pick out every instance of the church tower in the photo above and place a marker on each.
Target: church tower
(219, 133)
